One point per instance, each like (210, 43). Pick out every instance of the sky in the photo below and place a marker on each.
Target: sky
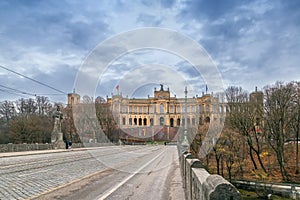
(46, 45)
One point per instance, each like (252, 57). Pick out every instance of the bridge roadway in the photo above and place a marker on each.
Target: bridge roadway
(112, 172)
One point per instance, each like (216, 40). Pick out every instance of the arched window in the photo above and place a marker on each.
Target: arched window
(135, 121)
(151, 122)
(171, 122)
(130, 121)
(178, 122)
(161, 108)
(207, 120)
(145, 121)
(124, 121)
(161, 121)
(140, 121)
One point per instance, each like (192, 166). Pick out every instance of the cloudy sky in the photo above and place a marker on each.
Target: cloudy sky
(45, 45)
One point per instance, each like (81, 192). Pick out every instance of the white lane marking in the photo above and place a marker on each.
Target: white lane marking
(105, 195)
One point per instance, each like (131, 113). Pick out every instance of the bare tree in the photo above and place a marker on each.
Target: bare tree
(30, 129)
(244, 116)
(230, 147)
(296, 120)
(7, 109)
(278, 118)
(26, 106)
(43, 105)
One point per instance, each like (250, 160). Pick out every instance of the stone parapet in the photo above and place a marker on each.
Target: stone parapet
(200, 185)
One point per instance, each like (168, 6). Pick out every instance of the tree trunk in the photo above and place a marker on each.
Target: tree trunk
(218, 165)
(252, 159)
(260, 161)
(280, 160)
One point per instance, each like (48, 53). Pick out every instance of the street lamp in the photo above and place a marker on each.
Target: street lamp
(185, 141)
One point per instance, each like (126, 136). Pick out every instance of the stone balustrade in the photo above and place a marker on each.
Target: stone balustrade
(200, 185)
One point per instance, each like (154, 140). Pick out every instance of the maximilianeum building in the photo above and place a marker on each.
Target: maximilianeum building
(162, 117)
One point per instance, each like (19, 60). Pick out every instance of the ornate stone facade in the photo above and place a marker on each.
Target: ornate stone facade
(163, 110)
(162, 115)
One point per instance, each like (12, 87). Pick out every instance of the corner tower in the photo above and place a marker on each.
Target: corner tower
(73, 98)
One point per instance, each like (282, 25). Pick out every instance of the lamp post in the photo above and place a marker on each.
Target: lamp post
(185, 141)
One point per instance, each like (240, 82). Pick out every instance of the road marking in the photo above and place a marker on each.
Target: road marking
(105, 195)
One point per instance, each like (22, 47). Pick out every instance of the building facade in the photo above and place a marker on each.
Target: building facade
(162, 115)
(162, 109)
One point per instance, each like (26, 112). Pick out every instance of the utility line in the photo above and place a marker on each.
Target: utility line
(22, 92)
(32, 79)
(13, 93)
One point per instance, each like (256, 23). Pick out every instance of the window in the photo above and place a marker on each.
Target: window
(178, 109)
(124, 110)
(188, 109)
(178, 122)
(171, 122)
(145, 121)
(161, 108)
(193, 121)
(124, 121)
(207, 108)
(215, 110)
(151, 122)
(194, 109)
(207, 120)
(161, 121)
(140, 109)
(172, 109)
(135, 121)
(116, 107)
(130, 121)
(140, 121)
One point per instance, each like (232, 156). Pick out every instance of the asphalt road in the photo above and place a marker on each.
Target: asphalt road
(115, 172)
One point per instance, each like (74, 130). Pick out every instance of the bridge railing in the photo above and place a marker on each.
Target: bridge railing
(200, 185)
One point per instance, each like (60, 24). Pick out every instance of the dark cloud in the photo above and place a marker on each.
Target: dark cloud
(50, 24)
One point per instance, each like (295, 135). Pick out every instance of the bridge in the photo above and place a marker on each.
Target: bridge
(108, 172)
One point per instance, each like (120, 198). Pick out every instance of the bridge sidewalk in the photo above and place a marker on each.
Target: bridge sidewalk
(35, 152)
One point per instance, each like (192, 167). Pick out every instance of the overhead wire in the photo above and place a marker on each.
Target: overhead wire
(36, 81)
(22, 92)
